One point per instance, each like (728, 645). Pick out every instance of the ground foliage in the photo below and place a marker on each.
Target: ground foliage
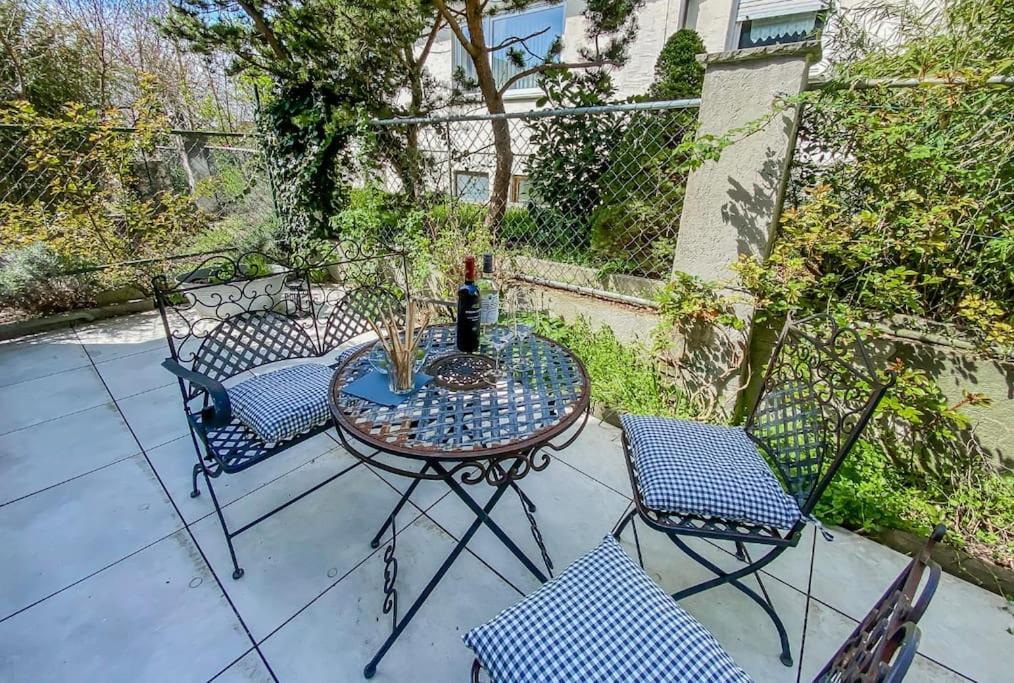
(901, 212)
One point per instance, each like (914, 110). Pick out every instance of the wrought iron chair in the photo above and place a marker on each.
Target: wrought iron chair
(604, 619)
(758, 484)
(231, 315)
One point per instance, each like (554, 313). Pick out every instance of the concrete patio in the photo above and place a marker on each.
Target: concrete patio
(112, 572)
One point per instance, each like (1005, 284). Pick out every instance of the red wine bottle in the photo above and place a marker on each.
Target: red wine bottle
(469, 311)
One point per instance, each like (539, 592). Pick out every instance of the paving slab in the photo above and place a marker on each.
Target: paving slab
(292, 557)
(48, 453)
(158, 615)
(123, 336)
(40, 355)
(67, 532)
(38, 400)
(980, 621)
(136, 373)
(156, 417)
(249, 669)
(827, 629)
(336, 636)
(598, 453)
(174, 463)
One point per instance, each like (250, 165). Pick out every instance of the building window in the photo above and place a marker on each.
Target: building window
(546, 21)
(471, 187)
(772, 22)
(519, 189)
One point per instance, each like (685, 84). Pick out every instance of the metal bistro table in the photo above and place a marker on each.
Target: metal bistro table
(465, 425)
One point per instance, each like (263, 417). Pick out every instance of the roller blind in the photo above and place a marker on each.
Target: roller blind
(762, 9)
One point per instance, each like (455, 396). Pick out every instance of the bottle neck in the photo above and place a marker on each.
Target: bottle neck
(469, 271)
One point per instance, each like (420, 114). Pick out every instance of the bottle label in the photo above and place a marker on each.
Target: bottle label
(490, 307)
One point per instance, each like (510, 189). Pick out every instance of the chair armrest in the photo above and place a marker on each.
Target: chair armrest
(219, 413)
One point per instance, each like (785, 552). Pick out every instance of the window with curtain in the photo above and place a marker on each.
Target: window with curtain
(772, 22)
(547, 19)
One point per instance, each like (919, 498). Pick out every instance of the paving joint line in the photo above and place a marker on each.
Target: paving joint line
(94, 573)
(186, 526)
(70, 479)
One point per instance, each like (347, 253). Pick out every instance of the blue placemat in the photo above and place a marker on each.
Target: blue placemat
(373, 387)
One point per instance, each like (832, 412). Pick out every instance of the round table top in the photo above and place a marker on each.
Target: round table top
(523, 410)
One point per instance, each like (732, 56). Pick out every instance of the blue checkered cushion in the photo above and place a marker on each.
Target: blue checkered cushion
(601, 620)
(706, 470)
(351, 351)
(282, 404)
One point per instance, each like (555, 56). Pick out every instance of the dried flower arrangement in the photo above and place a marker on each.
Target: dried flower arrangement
(401, 345)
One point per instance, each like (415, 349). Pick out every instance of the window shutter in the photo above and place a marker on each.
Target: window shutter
(763, 9)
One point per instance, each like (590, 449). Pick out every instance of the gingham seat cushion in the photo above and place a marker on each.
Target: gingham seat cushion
(351, 351)
(706, 470)
(601, 620)
(282, 404)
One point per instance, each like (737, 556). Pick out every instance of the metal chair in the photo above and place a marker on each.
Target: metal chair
(233, 314)
(525, 641)
(819, 392)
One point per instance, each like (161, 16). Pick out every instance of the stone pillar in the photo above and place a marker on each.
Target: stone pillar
(732, 205)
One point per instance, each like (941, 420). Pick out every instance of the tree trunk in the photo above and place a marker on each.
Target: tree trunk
(501, 127)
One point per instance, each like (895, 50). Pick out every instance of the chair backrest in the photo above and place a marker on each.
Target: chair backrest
(233, 313)
(819, 391)
(884, 644)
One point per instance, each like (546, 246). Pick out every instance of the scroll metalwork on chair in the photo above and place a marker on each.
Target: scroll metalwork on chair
(757, 485)
(235, 314)
(604, 619)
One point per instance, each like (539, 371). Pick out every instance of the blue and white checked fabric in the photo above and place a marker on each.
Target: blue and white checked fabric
(351, 351)
(601, 620)
(282, 404)
(706, 470)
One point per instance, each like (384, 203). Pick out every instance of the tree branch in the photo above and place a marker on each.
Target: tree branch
(261, 23)
(546, 67)
(455, 27)
(515, 40)
(437, 25)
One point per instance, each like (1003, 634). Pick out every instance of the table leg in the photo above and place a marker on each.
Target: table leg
(371, 668)
(484, 517)
(375, 543)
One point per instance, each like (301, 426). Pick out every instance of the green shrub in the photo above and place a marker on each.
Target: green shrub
(678, 74)
(623, 377)
(28, 282)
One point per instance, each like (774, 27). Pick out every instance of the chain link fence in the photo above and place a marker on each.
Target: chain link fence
(591, 196)
(75, 199)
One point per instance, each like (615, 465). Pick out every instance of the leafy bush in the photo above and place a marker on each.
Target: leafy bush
(81, 198)
(900, 207)
(901, 197)
(678, 74)
(623, 377)
(644, 185)
(27, 281)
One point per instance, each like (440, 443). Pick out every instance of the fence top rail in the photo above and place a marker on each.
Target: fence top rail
(543, 113)
(128, 129)
(822, 83)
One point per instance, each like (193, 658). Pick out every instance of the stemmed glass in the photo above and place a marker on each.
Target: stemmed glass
(519, 301)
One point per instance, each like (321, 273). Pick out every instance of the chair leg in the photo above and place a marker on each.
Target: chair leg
(629, 519)
(198, 468)
(237, 570)
(733, 579)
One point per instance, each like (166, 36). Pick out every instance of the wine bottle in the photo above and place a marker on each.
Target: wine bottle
(469, 312)
(489, 296)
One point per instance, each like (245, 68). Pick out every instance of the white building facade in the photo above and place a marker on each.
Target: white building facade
(722, 25)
